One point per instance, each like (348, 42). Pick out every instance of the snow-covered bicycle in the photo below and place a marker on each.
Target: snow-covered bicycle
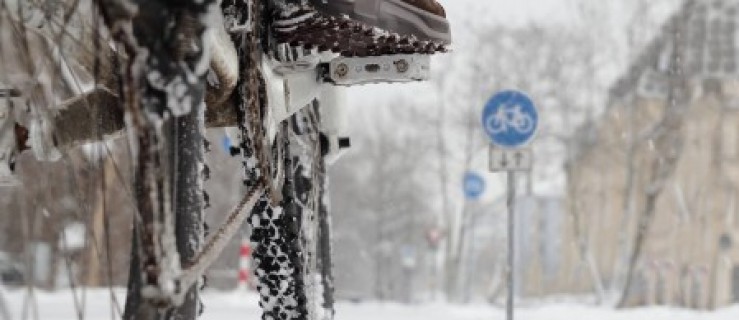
(159, 73)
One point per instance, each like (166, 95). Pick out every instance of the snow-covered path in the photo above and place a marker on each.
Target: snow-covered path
(232, 306)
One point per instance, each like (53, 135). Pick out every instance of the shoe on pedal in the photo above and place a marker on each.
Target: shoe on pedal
(365, 27)
(424, 19)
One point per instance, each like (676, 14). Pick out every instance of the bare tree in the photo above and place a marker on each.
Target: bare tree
(554, 66)
(667, 138)
(381, 199)
(636, 33)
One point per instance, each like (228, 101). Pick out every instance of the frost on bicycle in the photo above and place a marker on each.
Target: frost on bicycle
(305, 159)
(145, 70)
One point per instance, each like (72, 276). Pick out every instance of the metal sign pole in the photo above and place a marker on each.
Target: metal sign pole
(510, 203)
(510, 120)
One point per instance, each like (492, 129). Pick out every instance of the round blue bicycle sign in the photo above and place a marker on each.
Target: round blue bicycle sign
(510, 119)
(474, 185)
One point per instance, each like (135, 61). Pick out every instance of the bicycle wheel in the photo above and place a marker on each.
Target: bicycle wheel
(184, 149)
(57, 226)
(496, 124)
(524, 124)
(165, 197)
(59, 67)
(278, 250)
(292, 246)
(168, 121)
(310, 197)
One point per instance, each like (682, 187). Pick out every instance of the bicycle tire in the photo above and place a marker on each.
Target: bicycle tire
(292, 241)
(311, 194)
(185, 145)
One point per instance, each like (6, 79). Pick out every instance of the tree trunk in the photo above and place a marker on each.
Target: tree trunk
(668, 144)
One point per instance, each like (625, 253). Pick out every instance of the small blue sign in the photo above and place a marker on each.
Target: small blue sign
(474, 185)
(226, 144)
(510, 119)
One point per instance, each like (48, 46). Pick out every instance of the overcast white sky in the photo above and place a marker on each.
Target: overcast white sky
(465, 13)
(511, 11)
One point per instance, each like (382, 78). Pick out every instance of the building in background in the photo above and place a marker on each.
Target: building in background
(689, 254)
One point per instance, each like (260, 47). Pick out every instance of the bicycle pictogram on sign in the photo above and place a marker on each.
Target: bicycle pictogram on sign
(510, 119)
(509, 116)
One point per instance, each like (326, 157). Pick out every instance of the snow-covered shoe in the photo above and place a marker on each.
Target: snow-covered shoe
(364, 27)
(424, 19)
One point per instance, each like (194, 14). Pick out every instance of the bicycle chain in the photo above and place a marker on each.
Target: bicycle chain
(276, 225)
(251, 100)
(256, 95)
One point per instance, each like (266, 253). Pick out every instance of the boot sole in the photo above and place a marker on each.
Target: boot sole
(391, 15)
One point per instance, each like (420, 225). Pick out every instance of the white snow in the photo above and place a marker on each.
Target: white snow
(240, 305)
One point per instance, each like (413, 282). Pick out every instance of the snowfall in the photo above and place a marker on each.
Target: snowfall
(97, 304)
(243, 305)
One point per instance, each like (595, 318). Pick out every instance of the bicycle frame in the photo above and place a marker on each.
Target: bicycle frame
(293, 81)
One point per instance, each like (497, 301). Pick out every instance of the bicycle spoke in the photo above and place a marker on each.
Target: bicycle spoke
(87, 193)
(56, 196)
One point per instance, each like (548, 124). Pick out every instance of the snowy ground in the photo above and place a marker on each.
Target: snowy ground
(227, 306)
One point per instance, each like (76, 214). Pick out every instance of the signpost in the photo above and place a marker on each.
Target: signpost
(510, 120)
(510, 160)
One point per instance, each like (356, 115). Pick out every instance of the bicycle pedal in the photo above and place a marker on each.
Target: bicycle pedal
(348, 71)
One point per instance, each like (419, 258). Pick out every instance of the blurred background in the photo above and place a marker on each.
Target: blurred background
(631, 200)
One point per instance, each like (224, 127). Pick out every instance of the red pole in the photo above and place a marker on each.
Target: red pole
(244, 254)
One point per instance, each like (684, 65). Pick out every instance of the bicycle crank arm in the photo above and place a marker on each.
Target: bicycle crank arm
(345, 71)
(289, 90)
